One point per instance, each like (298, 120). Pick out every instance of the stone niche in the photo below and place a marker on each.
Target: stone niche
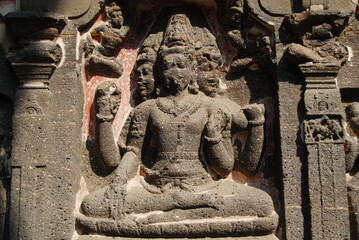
(183, 119)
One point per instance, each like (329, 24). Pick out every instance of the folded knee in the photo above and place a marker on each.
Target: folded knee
(95, 204)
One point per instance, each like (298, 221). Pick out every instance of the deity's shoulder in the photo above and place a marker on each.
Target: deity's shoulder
(209, 103)
(143, 110)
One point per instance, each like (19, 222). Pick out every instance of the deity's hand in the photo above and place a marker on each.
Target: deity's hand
(255, 114)
(217, 122)
(108, 98)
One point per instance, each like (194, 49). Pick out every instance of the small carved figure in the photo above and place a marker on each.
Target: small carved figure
(254, 46)
(145, 63)
(181, 191)
(104, 42)
(323, 129)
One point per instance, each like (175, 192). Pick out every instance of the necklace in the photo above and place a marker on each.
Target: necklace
(169, 107)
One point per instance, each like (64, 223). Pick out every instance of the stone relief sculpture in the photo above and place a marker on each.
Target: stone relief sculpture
(197, 127)
(104, 41)
(319, 56)
(254, 45)
(180, 143)
(351, 160)
(145, 63)
(318, 42)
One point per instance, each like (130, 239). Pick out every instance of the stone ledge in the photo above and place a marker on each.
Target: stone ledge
(92, 237)
(241, 226)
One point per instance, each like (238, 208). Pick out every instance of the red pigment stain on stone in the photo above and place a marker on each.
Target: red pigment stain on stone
(243, 179)
(129, 60)
(83, 187)
(128, 55)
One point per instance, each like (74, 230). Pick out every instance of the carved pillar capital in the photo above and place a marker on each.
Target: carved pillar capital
(34, 62)
(36, 55)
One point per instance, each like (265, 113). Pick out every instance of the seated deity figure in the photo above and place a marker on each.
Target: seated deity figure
(170, 181)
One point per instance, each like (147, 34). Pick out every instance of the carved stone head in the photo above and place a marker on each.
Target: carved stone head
(114, 13)
(176, 54)
(145, 80)
(208, 75)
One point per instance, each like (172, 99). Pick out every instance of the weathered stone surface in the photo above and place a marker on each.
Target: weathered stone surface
(279, 7)
(174, 177)
(179, 119)
(35, 25)
(271, 237)
(69, 8)
(293, 154)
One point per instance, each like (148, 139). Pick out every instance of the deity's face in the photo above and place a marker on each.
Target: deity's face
(116, 17)
(208, 82)
(145, 79)
(176, 71)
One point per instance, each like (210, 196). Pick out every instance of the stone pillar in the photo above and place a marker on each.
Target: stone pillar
(292, 153)
(34, 60)
(324, 138)
(31, 131)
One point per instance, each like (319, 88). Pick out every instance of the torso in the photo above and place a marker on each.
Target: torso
(177, 135)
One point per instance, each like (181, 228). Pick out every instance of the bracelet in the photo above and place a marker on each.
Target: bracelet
(104, 118)
(256, 123)
(214, 140)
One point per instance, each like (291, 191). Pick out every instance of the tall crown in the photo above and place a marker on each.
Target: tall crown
(178, 37)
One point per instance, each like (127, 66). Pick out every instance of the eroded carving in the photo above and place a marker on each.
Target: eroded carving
(35, 25)
(320, 56)
(145, 66)
(104, 42)
(253, 40)
(316, 32)
(321, 130)
(181, 143)
(352, 164)
(322, 102)
(34, 59)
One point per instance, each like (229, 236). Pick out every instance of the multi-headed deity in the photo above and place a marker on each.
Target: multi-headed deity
(170, 181)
